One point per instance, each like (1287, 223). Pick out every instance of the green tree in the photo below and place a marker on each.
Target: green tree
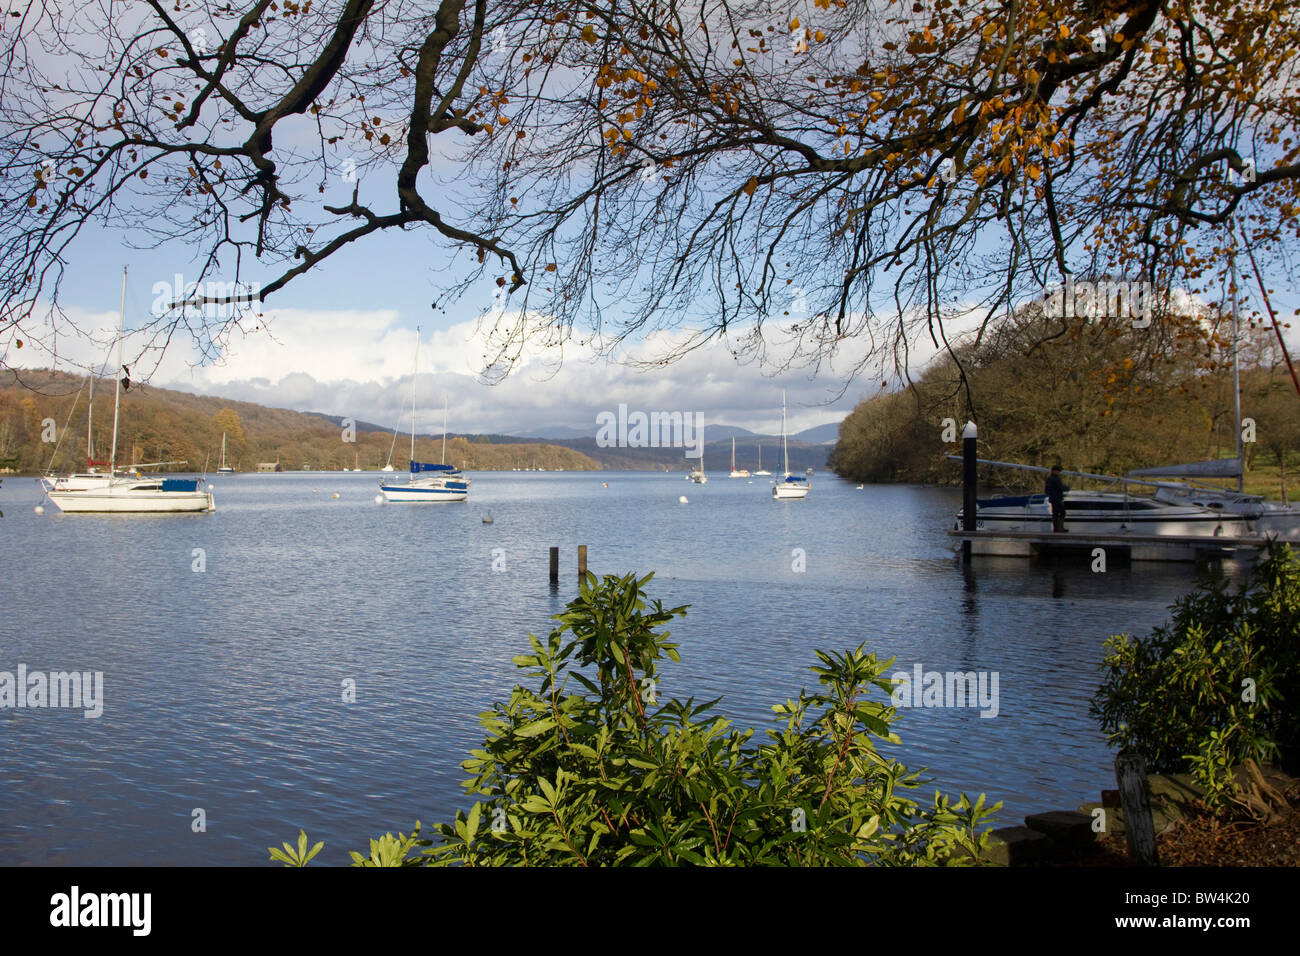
(588, 767)
(1216, 686)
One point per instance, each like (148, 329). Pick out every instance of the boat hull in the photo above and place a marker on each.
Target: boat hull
(1107, 514)
(405, 493)
(127, 502)
(783, 490)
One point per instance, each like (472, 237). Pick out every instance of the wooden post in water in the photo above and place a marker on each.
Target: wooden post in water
(582, 561)
(1139, 828)
(555, 567)
(969, 456)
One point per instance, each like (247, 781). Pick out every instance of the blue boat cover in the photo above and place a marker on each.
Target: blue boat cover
(180, 484)
(425, 466)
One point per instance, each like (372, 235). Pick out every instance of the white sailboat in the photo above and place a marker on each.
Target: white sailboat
(427, 482)
(224, 469)
(698, 476)
(125, 493)
(736, 472)
(761, 469)
(791, 486)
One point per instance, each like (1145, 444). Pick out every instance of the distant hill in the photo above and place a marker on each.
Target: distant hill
(821, 434)
(713, 432)
(165, 425)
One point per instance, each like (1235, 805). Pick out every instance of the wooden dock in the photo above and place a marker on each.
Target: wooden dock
(1118, 547)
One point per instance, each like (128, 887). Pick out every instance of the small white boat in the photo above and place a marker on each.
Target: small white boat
(697, 475)
(135, 495)
(427, 482)
(736, 472)
(761, 470)
(790, 486)
(224, 469)
(125, 493)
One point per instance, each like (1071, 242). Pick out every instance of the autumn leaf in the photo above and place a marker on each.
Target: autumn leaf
(750, 186)
(589, 34)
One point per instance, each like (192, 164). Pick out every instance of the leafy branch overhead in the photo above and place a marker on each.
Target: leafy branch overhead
(625, 167)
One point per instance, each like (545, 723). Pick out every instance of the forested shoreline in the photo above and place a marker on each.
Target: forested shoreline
(1099, 396)
(164, 425)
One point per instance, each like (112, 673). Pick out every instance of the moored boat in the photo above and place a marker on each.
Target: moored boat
(791, 485)
(1098, 512)
(125, 493)
(426, 482)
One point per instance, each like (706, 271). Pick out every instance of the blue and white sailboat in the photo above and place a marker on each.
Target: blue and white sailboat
(427, 482)
(792, 485)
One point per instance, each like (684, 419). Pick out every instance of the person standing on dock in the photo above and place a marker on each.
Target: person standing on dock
(1055, 490)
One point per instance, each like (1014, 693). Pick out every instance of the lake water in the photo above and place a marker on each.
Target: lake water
(223, 687)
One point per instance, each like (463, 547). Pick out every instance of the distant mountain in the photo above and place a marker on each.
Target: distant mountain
(717, 454)
(713, 431)
(162, 424)
(547, 432)
(821, 434)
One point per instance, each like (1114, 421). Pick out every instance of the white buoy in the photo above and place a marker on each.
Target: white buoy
(336, 494)
(209, 486)
(379, 499)
(39, 510)
(682, 500)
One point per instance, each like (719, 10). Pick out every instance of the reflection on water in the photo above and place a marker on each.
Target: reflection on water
(224, 688)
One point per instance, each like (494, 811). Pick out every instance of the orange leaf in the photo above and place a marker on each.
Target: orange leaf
(750, 186)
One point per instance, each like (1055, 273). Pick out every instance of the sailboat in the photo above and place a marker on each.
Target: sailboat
(698, 476)
(224, 469)
(791, 486)
(127, 492)
(427, 482)
(736, 472)
(761, 469)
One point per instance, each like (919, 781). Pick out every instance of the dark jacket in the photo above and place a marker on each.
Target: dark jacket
(1055, 490)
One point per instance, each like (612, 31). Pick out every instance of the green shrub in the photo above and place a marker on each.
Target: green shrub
(1217, 685)
(608, 775)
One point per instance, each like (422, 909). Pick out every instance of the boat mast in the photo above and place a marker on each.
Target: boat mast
(90, 421)
(1236, 367)
(733, 452)
(414, 372)
(443, 459)
(117, 390)
(785, 447)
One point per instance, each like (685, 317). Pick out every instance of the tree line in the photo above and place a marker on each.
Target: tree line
(1097, 396)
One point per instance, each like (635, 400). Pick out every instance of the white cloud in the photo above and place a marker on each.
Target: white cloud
(358, 363)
